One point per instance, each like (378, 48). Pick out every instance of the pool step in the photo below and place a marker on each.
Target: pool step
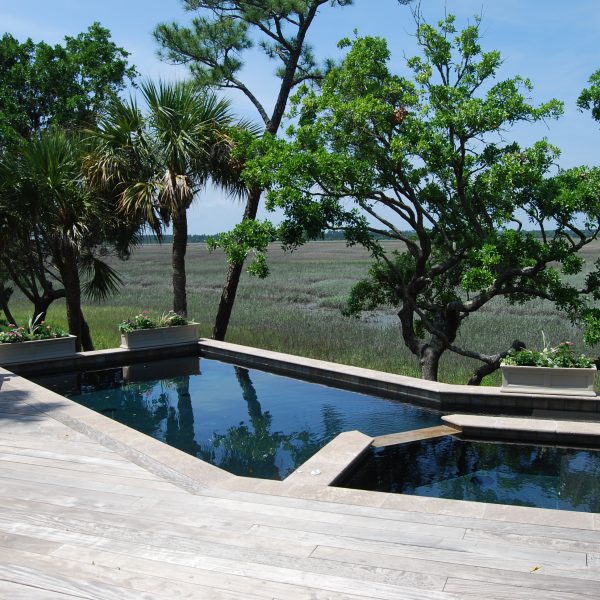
(571, 433)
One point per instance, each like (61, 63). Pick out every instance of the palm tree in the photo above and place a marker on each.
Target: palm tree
(156, 162)
(64, 227)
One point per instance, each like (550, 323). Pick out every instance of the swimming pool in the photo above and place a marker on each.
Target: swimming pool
(499, 473)
(246, 421)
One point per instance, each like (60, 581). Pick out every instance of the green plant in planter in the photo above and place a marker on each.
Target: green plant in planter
(35, 330)
(561, 356)
(145, 321)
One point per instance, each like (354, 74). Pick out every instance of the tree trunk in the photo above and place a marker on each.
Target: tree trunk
(41, 304)
(430, 362)
(180, 236)
(233, 276)
(87, 343)
(4, 298)
(40, 308)
(493, 363)
(72, 283)
(272, 127)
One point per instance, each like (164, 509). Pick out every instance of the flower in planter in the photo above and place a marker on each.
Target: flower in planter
(561, 356)
(35, 330)
(145, 321)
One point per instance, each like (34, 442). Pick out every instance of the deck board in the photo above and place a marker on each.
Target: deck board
(80, 519)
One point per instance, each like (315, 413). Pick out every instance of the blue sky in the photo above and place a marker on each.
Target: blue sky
(554, 43)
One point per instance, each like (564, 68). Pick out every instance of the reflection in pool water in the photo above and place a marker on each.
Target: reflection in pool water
(248, 422)
(518, 474)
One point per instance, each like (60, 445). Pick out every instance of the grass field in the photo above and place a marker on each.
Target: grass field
(297, 309)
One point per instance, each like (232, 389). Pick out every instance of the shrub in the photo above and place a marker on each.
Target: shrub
(561, 356)
(35, 330)
(145, 321)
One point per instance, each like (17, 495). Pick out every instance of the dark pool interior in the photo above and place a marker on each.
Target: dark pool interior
(249, 422)
(500, 473)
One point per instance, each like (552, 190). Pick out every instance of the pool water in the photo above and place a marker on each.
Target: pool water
(248, 422)
(501, 473)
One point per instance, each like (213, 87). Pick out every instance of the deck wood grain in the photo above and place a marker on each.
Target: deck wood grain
(85, 516)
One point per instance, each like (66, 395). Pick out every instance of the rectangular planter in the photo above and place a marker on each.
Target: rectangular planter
(545, 380)
(35, 351)
(159, 337)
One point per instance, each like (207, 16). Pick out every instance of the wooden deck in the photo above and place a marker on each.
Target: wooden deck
(83, 514)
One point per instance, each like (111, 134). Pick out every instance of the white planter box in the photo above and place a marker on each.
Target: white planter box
(159, 337)
(24, 352)
(545, 380)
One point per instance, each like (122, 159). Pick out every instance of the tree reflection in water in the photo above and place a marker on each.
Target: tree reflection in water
(254, 450)
(165, 411)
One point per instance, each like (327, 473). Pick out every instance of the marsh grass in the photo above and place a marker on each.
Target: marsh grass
(297, 309)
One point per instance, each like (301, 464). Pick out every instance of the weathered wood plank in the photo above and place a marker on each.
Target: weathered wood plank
(128, 540)
(94, 481)
(299, 517)
(76, 452)
(255, 571)
(475, 590)
(450, 549)
(98, 466)
(14, 489)
(95, 581)
(17, 591)
(69, 586)
(206, 585)
(50, 429)
(538, 577)
(25, 542)
(416, 517)
(83, 446)
(86, 519)
(514, 539)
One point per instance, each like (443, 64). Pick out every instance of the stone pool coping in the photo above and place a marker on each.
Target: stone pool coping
(444, 397)
(552, 431)
(195, 475)
(334, 460)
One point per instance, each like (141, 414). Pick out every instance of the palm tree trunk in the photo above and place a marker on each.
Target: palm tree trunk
(180, 236)
(86, 337)
(233, 276)
(72, 283)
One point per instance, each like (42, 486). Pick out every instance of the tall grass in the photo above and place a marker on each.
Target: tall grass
(297, 309)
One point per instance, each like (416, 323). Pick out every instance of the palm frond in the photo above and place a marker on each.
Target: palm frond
(102, 281)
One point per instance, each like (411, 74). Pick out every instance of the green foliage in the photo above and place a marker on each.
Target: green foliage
(216, 39)
(157, 160)
(36, 330)
(248, 237)
(69, 85)
(55, 230)
(145, 320)
(561, 356)
(589, 99)
(375, 154)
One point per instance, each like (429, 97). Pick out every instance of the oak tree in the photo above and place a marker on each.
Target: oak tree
(427, 160)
